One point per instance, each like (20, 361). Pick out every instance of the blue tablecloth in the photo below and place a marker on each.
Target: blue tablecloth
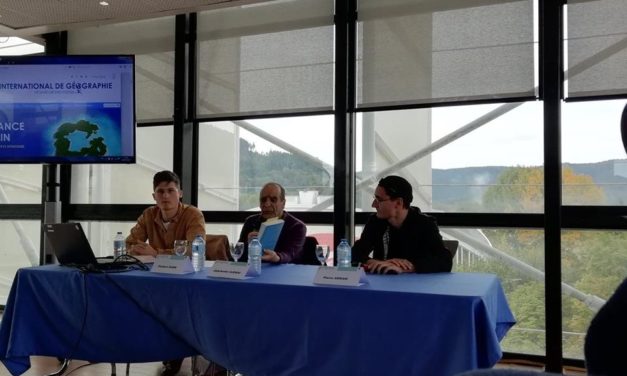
(277, 324)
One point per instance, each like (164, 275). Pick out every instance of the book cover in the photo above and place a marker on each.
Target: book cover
(269, 233)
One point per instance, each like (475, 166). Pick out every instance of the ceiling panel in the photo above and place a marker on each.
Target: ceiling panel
(33, 17)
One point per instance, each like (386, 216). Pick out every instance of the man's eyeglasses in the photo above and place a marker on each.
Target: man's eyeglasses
(380, 200)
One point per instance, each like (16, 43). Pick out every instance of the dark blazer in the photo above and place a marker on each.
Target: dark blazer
(417, 240)
(605, 347)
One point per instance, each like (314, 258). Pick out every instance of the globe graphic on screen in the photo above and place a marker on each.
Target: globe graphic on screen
(94, 144)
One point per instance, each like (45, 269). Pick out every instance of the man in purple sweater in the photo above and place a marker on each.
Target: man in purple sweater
(289, 246)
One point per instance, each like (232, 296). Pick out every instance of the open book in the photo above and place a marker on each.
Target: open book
(269, 232)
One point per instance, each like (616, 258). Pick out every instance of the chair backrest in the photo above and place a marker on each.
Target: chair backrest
(309, 251)
(451, 245)
(216, 247)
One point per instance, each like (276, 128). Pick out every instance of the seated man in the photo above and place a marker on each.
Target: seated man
(403, 239)
(166, 221)
(163, 223)
(289, 246)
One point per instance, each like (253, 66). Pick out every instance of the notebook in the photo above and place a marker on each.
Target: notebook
(269, 232)
(71, 247)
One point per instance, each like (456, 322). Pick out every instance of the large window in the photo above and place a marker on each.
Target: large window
(596, 53)
(433, 51)
(270, 57)
(484, 158)
(152, 43)
(594, 264)
(237, 158)
(517, 257)
(594, 170)
(19, 248)
(19, 184)
(125, 184)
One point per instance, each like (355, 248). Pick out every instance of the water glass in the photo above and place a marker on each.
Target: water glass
(180, 247)
(322, 253)
(237, 250)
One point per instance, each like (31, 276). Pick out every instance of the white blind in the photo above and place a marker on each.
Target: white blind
(597, 48)
(426, 51)
(269, 57)
(152, 43)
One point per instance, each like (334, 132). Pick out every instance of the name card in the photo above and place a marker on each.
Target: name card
(172, 264)
(231, 270)
(340, 276)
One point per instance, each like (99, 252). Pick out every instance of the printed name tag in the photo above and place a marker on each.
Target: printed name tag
(226, 269)
(172, 265)
(340, 276)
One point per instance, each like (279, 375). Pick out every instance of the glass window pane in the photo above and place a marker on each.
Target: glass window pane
(516, 256)
(20, 184)
(596, 47)
(458, 159)
(272, 56)
(237, 158)
(594, 170)
(444, 51)
(125, 184)
(594, 263)
(101, 234)
(152, 43)
(19, 248)
(18, 46)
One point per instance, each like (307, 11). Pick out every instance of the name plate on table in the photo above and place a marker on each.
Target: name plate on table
(172, 265)
(340, 276)
(231, 270)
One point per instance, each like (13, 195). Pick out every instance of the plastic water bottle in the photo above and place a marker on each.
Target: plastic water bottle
(344, 254)
(254, 255)
(198, 253)
(119, 245)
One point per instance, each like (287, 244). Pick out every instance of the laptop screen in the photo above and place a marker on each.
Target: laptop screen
(69, 243)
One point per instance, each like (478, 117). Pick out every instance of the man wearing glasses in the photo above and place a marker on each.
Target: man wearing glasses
(400, 237)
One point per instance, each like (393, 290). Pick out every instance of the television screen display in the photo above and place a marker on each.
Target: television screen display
(67, 109)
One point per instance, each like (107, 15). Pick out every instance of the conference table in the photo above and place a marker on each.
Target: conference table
(279, 323)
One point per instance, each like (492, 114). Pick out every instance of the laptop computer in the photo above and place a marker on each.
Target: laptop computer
(71, 247)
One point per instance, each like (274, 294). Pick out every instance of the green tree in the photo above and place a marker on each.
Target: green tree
(293, 172)
(593, 262)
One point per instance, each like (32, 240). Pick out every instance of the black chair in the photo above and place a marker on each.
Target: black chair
(309, 251)
(451, 245)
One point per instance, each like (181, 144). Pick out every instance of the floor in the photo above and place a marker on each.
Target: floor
(45, 365)
(41, 365)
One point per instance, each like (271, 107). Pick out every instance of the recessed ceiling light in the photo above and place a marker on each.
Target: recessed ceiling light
(103, 3)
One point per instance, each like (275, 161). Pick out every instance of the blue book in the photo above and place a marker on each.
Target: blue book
(269, 233)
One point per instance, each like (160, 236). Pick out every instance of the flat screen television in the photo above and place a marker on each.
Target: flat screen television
(67, 109)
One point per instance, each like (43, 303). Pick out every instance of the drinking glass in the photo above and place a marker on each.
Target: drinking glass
(322, 253)
(180, 247)
(237, 250)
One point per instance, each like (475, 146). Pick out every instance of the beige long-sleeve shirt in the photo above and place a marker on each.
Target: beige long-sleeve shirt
(186, 224)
